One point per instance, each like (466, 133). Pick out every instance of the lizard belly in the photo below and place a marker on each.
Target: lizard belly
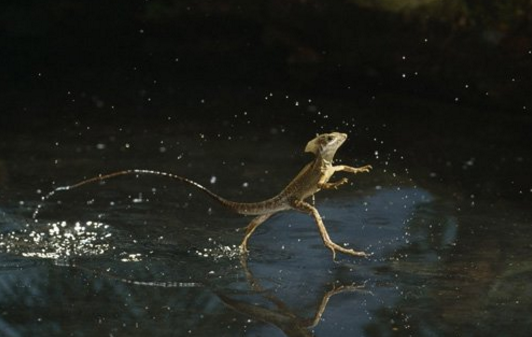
(313, 187)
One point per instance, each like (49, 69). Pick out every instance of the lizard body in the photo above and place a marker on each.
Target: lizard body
(311, 179)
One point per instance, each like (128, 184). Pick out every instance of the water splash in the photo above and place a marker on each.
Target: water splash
(58, 240)
(44, 199)
(218, 251)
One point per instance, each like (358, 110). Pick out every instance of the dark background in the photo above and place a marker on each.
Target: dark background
(444, 82)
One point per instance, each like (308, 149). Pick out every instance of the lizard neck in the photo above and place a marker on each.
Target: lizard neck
(326, 159)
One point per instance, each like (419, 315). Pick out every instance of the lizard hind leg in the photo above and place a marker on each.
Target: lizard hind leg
(251, 228)
(309, 209)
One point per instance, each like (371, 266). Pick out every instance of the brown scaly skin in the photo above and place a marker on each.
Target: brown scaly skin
(310, 180)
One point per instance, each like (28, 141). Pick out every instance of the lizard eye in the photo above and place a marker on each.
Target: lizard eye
(329, 139)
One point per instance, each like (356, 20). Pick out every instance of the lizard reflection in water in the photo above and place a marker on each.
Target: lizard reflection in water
(311, 179)
(276, 312)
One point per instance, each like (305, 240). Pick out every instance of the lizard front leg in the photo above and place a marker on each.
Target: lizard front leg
(309, 209)
(351, 169)
(325, 175)
(323, 184)
(333, 185)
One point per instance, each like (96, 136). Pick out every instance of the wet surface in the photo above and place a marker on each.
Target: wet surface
(139, 255)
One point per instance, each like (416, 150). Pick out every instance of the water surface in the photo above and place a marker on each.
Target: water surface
(137, 256)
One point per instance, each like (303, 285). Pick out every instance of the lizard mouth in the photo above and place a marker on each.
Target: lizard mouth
(341, 138)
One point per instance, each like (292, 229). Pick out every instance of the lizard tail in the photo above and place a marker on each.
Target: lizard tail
(228, 204)
(147, 172)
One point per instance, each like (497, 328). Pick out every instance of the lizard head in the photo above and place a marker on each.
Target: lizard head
(326, 145)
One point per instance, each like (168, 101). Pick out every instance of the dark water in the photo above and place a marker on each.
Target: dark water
(139, 256)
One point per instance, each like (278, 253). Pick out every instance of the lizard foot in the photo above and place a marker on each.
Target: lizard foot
(335, 247)
(340, 182)
(365, 168)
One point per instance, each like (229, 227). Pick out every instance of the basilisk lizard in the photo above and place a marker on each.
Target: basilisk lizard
(310, 180)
